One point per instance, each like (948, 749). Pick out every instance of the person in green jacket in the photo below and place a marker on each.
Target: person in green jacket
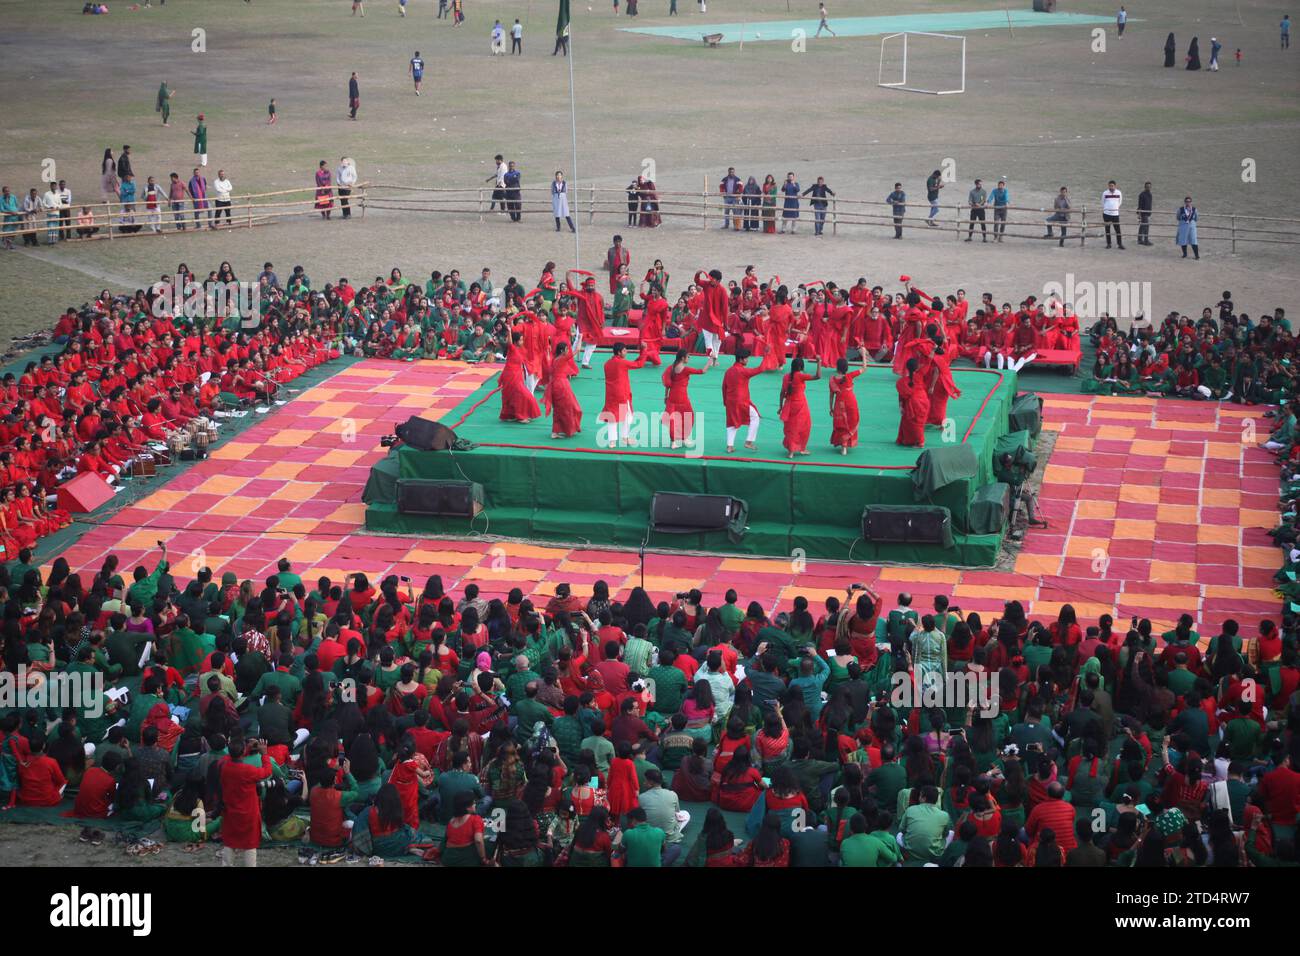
(145, 585)
(200, 132)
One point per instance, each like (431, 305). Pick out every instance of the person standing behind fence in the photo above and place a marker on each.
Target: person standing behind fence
(1110, 203)
(31, 215)
(820, 193)
(932, 186)
(790, 212)
(176, 200)
(978, 199)
(1001, 201)
(153, 204)
(324, 190)
(1144, 215)
(512, 182)
(345, 177)
(198, 192)
(50, 205)
(108, 177)
(1060, 214)
(65, 209)
(898, 201)
(354, 96)
(1187, 219)
(221, 187)
(560, 202)
(12, 212)
(498, 179)
(730, 188)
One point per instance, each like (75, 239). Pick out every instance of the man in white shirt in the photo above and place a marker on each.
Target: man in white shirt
(65, 209)
(1110, 203)
(345, 177)
(517, 39)
(221, 187)
(499, 191)
(50, 203)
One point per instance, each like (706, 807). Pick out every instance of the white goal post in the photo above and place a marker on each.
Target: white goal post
(902, 82)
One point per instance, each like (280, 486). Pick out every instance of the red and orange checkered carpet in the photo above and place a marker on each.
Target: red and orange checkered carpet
(1157, 507)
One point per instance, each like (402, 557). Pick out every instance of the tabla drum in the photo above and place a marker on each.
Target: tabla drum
(177, 443)
(201, 440)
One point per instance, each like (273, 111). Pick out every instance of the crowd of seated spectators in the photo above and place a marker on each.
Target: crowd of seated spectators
(585, 731)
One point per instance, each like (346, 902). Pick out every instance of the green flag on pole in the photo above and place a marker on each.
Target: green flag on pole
(562, 21)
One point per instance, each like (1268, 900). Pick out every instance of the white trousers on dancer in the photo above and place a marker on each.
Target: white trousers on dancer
(753, 429)
(1016, 364)
(587, 353)
(711, 343)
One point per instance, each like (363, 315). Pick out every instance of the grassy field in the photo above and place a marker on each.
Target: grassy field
(1041, 108)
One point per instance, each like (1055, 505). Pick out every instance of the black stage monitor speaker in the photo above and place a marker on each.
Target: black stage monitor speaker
(425, 435)
(673, 513)
(907, 525)
(425, 496)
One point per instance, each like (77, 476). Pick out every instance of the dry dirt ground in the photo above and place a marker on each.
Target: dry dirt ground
(1042, 109)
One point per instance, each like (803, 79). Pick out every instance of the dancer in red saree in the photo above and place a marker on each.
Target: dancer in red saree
(778, 327)
(844, 406)
(558, 399)
(794, 408)
(517, 402)
(679, 414)
(942, 387)
(913, 405)
(654, 318)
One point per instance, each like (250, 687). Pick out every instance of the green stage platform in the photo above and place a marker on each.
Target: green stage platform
(578, 491)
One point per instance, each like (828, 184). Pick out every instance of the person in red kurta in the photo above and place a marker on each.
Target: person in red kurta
(913, 406)
(618, 392)
(241, 821)
(654, 319)
(40, 780)
(844, 406)
(679, 414)
(97, 789)
(622, 788)
(794, 408)
(591, 311)
(410, 773)
(558, 400)
(942, 387)
(741, 410)
(517, 402)
(713, 314)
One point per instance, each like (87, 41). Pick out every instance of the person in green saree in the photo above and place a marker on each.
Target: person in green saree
(517, 843)
(1102, 380)
(390, 835)
(592, 844)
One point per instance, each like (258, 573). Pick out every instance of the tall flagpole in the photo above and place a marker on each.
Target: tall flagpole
(573, 179)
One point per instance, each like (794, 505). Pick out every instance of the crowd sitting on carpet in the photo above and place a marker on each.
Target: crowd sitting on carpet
(345, 718)
(1228, 358)
(127, 375)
